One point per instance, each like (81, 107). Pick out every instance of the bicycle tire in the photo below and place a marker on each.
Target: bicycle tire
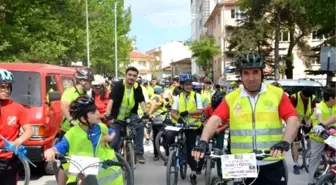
(171, 161)
(183, 170)
(326, 178)
(208, 169)
(130, 157)
(158, 146)
(305, 161)
(217, 181)
(130, 173)
(26, 168)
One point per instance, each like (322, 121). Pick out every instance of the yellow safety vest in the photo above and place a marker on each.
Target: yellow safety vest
(206, 96)
(300, 107)
(326, 114)
(81, 146)
(191, 105)
(257, 129)
(159, 109)
(127, 103)
(146, 96)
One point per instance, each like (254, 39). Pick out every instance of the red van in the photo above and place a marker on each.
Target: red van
(38, 87)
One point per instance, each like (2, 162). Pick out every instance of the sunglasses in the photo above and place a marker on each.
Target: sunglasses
(97, 86)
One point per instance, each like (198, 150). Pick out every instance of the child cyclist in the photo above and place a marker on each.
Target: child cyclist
(89, 138)
(216, 99)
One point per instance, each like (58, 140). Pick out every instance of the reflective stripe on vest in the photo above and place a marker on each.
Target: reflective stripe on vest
(191, 105)
(127, 104)
(108, 176)
(257, 129)
(81, 146)
(326, 114)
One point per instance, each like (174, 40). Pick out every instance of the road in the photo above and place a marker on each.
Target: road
(153, 173)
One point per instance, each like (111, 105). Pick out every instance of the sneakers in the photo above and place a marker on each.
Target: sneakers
(140, 159)
(296, 169)
(156, 158)
(147, 141)
(192, 179)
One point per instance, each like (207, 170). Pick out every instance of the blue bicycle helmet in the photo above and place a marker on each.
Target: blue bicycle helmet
(158, 90)
(186, 78)
(6, 77)
(216, 99)
(196, 86)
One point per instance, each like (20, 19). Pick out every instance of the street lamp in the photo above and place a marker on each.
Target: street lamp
(115, 41)
(87, 34)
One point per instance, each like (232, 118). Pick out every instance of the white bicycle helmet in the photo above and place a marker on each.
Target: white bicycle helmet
(6, 76)
(98, 80)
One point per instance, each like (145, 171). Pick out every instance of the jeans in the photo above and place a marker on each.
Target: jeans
(139, 127)
(315, 158)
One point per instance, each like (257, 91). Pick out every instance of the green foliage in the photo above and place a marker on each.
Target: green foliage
(55, 32)
(203, 50)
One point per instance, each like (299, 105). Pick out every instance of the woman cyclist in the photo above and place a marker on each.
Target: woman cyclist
(88, 138)
(101, 95)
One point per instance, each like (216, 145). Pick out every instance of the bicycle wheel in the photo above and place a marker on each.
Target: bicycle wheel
(218, 181)
(26, 169)
(129, 155)
(305, 159)
(328, 178)
(183, 169)
(172, 169)
(208, 169)
(158, 146)
(128, 171)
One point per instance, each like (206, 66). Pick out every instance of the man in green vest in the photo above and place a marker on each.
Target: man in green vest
(255, 112)
(152, 86)
(187, 108)
(76, 142)
(304, 103)
(207, 92)
(124, 101)
(324, 110)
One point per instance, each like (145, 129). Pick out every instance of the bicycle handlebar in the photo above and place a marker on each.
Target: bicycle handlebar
(260, 154)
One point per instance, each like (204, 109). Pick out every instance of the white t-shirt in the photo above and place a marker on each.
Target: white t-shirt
(198, 102)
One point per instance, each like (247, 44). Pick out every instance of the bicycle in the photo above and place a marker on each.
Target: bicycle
(177, 159)
(304, 146)
(160, 136)
(127, 141)
(209, 162)
(217, 154)
(91, 179)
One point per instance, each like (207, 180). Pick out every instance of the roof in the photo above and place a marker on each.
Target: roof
(138, 54)
(183, 61)
(36, 67)
(292, 82)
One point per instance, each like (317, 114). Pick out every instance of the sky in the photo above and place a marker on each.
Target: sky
(155, 22)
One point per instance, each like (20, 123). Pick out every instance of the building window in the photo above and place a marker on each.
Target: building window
(142, 64)
(315, 36)
(236, 14)
(219, 18)
(284, 36)
(214, 24)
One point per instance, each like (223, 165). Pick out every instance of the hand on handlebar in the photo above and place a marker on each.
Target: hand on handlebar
(278, 149)
(50, 155)
(184, 114)
(199, 150)
(318, 129)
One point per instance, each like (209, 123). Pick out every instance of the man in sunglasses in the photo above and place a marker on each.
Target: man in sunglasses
(123, 102)
(207, 92)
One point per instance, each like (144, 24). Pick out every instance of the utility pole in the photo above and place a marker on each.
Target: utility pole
(87, 34)
(115, 41)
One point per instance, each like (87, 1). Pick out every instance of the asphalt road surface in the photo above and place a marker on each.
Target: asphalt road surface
(153, 173)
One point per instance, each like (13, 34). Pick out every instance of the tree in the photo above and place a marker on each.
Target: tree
(203, 50)
(288, 15)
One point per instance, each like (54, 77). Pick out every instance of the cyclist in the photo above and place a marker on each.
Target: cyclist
(156, 108)
(151, 87)
(187, 108)
(255, 110)
(324, 110)
(197, 87)
(88, 138)
(216, 99)
(13, 116)
(304, 103)
(83, 77)
(101, 94)
(124, 99)
(207, 91)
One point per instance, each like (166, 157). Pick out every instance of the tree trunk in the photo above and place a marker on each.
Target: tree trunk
(276, 44)
(289, 57)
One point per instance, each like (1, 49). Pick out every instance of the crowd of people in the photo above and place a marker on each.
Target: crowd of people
(253, 111)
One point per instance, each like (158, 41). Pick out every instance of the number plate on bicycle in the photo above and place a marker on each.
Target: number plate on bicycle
(90, 164)
(171, 128)
(331, 141)
(239, 166)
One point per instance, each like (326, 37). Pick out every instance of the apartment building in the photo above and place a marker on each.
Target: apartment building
(200, 11)
(143, 62)
(226, 14)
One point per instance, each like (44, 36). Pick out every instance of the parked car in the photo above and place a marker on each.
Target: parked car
(39, 88)
(292, 86)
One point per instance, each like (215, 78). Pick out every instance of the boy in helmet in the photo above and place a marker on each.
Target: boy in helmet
(13, 116)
